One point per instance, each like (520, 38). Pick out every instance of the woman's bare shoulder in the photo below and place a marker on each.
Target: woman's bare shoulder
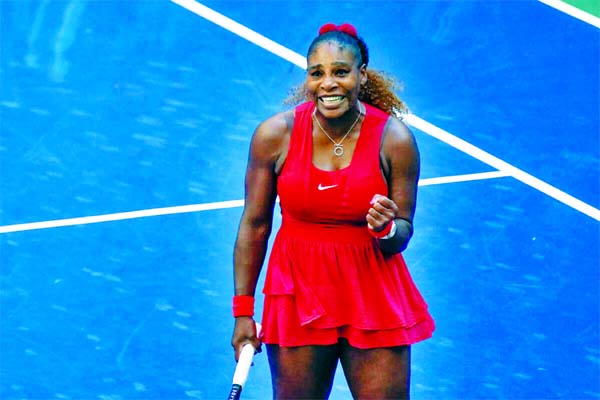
(275, 128)
(397, 131)
(271, 139)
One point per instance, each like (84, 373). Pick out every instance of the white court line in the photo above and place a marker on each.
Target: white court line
(153, 212)
(413, 120)
(463, 178)
(242, 31)
(501, 165)
(573, 11)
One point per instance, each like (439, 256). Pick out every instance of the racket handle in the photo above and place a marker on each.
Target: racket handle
(243, 366)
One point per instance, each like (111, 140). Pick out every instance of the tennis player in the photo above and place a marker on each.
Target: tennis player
(337, 288)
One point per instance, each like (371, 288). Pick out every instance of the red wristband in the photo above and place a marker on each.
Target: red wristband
(384, 232)
(243, 306)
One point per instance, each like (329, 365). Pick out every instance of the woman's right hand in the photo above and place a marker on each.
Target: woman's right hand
(244, 332)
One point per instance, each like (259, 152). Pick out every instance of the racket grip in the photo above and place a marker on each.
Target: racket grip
(244, 362)
(243, 368)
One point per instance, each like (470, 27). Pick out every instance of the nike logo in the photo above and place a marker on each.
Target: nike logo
(321, 187)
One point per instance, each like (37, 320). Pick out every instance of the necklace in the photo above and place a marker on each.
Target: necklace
(338, 148)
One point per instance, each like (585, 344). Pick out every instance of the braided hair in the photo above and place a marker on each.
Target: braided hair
(380, 87)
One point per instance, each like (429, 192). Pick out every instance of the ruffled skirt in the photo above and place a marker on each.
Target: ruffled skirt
(326, 282)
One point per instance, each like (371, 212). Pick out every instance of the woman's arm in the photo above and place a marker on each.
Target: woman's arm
(267, 148)
(401, 166)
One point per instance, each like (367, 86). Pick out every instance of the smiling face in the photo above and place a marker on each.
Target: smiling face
(333, 79)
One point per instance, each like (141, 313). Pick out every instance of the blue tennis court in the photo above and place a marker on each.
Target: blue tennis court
(125, 128)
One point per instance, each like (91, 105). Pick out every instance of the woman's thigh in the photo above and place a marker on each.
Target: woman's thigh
(304, 372)
(382, 373)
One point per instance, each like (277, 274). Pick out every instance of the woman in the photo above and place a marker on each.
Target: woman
(337, 288)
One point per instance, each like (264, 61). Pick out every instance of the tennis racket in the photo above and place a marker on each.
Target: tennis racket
(243, 368)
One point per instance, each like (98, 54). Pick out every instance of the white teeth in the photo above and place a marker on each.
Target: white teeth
(332, 99)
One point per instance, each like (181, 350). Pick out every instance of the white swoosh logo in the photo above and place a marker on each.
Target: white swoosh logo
(321, 187)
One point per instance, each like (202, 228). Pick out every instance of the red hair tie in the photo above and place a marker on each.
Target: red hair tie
(328, 27)
(346, 28)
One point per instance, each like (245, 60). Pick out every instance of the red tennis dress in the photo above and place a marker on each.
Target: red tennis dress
(327, 277)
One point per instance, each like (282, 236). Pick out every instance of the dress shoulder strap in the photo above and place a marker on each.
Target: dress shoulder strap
(300, 140)
(372, 133)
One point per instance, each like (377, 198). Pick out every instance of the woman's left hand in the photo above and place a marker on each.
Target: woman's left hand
(383, 210)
